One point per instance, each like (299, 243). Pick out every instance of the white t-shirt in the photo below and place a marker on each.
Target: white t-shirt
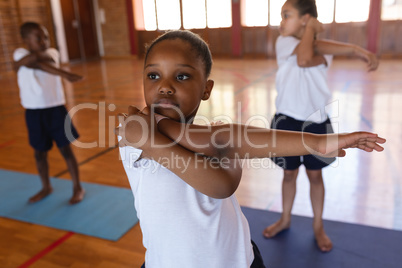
(39, 89)
(303, 93)
(182, 227)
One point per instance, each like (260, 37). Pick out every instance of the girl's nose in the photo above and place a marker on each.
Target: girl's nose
(166, 89)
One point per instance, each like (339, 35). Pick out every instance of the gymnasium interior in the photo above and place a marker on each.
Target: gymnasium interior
(105, 42)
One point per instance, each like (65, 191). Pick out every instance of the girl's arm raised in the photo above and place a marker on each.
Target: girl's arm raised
(338, 48)
(306, 56)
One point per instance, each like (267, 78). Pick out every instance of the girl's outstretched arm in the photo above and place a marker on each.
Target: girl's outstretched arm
(345, 49)
(219, 179)
(44, 62)
(240, 141)
(49, 68)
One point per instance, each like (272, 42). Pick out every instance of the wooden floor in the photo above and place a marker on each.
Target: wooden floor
(360, 188)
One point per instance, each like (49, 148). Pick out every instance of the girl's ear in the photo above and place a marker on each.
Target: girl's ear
(305, 19)
(208, 89)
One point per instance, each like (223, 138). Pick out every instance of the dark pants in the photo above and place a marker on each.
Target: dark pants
(257, 262)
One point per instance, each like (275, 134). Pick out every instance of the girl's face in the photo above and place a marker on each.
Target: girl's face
(292, 23)
(37, 40)
(175, 80)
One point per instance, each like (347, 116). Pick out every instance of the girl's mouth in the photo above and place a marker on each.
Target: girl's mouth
(166, 103)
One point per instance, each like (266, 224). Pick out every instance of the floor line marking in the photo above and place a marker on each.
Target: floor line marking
(7, 143)
(256, 81)
(46, 250)
(87, 160)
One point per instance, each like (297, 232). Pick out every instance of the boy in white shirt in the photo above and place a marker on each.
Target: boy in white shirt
(42, 95)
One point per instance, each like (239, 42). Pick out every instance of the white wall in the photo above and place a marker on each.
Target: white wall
(59, 28)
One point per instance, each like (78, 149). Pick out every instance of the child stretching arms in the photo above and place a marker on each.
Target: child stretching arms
(42, 95)
(303, 93)
(188, 214)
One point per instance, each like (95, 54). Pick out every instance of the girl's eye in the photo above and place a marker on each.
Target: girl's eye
(153, 76)
(182, 77)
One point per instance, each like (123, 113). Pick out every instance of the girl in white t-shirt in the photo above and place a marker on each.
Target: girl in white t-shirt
(303, 95)
(183, 176)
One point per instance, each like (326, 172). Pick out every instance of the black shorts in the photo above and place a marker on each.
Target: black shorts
(311, 162)
(48, 125)
(257, 262)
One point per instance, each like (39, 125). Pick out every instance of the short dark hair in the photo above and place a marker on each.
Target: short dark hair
(197, 43)
(305, 7)
(28, 27)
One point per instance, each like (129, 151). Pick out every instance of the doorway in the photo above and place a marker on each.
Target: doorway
(80, 31)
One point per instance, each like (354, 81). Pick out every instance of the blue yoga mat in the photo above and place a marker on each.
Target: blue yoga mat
(106, 212)
(355, 245)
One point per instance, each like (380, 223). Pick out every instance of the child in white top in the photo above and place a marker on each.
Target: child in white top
(42, 95)
(183, 176)
(303, 94)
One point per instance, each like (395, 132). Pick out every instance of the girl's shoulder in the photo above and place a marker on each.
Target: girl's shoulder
(20, 53)
(287, 40)
(285, 45)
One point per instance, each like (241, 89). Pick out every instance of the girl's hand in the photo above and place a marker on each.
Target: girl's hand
(73, 77)
(138, 129)
(335, 144)
(368, 57)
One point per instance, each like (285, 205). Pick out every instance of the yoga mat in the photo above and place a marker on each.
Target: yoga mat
(355, 245)
(106, 212)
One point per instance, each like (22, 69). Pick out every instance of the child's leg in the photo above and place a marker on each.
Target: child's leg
(288, 196)
(78, 191)
(317, 193)
(43, 170)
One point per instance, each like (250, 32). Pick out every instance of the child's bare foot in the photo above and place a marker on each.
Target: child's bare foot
(40, 195)
(323, 241)
(276, 228)
(78, 195)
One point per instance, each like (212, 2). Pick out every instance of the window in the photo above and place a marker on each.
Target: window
(151, 15)
(258, 13)
(275, 10)
(391, 10)
(194, 14)
(325, 10)
(352, 10)
(219, 13)
(168, 14)
(254, 13)
(147, 22)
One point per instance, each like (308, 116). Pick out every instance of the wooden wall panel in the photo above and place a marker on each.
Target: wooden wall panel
(144, 38)
(71, 32)
(219, 40)
(354, 33)
(88, 29)
(9, 31)
(391, 38)
(255, 41)
(115, 33)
